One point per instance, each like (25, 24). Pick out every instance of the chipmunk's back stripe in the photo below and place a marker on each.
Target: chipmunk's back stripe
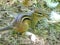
(25, 17)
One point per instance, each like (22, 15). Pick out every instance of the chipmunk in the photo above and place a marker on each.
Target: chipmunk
(20, 23)
(23, 21)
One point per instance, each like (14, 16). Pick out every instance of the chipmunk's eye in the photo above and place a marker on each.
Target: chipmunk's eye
(8, 1)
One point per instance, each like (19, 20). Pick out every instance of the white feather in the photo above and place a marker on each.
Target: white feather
(33, 37)
(52, 5)
(55, 17)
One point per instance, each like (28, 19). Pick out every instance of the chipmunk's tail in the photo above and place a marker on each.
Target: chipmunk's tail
(5, 28)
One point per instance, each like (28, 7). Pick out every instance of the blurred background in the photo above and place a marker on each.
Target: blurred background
(45, 23)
